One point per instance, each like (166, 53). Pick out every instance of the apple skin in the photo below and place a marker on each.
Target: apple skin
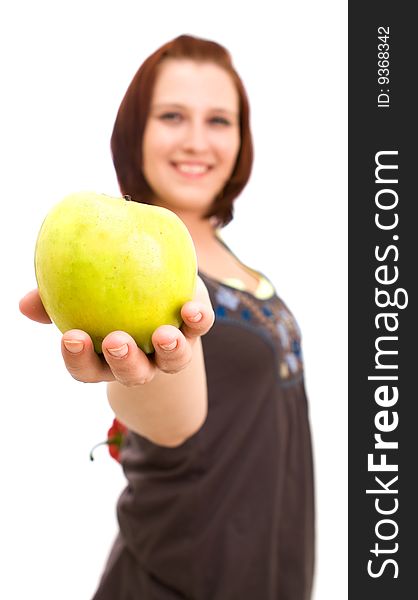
(104, 264)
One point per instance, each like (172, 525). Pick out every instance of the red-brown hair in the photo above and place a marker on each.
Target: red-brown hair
(128, 131)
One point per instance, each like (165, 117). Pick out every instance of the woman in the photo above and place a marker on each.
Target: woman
(219, 502)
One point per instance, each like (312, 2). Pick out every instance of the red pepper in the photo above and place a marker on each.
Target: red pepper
(115, 436)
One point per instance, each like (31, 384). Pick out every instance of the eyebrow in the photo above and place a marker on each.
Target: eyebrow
(166, 105)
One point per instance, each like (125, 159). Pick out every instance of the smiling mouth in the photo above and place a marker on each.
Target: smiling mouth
(191, 169)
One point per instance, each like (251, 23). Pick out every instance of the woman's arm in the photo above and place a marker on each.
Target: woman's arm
(163, 397)
(168, 409)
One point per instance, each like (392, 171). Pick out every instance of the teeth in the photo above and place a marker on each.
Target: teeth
(192, 169)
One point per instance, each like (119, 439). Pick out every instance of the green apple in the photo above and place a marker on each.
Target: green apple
(104, 264)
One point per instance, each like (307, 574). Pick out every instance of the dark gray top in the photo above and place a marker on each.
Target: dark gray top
(229, 514)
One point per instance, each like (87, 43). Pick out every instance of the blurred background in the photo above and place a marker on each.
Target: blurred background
(65, 68)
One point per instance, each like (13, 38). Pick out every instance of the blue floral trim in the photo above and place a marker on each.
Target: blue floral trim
(270, 317)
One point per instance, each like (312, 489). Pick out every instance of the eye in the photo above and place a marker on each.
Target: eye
(218, 120)
(171, 117)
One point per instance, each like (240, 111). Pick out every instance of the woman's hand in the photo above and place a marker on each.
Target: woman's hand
(122, 360)
(31, 306)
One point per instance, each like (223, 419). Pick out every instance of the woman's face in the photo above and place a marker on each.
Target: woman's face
(192, 136)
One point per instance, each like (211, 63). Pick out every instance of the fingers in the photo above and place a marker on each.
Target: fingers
(122, 360)
(128, 363)
(201, 293)
(172, 351)
(198, 318)
(31, 306)
(173, 347)
(82, 362)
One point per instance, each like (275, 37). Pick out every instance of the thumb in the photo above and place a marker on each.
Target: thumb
(31, 306)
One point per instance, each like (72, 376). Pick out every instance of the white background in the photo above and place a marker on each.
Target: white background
(65, 68)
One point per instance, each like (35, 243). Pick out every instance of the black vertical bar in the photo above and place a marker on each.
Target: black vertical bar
(383, 356)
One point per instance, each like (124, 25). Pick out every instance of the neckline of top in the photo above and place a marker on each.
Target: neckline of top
(264, 290)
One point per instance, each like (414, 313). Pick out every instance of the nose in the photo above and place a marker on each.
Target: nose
(195, 137)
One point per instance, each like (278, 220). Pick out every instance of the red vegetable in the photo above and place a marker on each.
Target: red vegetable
(115, 436)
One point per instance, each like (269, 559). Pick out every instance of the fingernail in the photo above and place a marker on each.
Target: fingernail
(196, 318)
(168, 347)
(73, 346)
(119, 352)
